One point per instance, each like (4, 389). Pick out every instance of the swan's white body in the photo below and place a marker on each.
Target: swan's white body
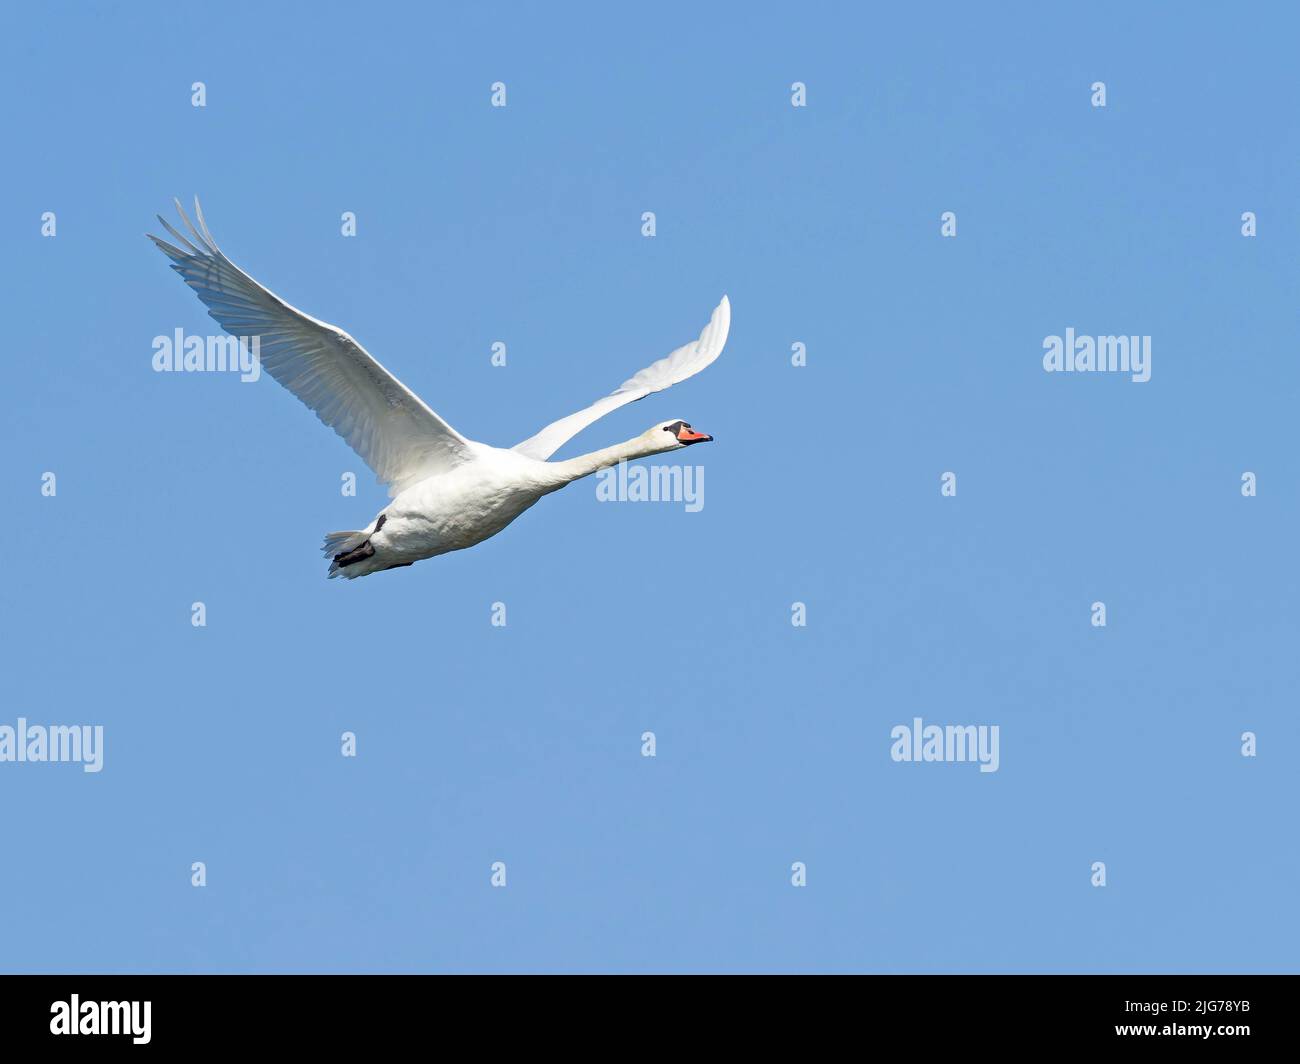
(455, 510)
(448, 492)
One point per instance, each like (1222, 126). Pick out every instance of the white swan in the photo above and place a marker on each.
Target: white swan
(448, 493)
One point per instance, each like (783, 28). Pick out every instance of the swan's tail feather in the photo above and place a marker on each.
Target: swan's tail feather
(342, 542)
(344, 548)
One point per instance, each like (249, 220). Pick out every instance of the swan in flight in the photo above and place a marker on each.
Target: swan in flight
(447, 492)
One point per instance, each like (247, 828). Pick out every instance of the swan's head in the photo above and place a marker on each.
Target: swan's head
(671, 435)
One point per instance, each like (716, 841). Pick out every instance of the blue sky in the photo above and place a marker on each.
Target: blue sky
(522, 744)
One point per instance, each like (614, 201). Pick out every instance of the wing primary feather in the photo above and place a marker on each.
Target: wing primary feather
(186, 219)
(179, 236)
(198, 213)
(169, 251)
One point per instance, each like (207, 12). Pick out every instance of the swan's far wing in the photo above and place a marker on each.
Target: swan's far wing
(684, 362)
(386, 423)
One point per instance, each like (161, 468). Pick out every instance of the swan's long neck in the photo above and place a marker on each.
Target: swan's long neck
(586, 464)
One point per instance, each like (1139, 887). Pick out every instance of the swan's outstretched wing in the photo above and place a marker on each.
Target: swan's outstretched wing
(682, 363)
(396, 435)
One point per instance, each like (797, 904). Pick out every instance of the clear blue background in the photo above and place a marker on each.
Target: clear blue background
(522, 744)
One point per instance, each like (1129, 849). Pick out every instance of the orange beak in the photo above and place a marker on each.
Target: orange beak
(685, 435)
